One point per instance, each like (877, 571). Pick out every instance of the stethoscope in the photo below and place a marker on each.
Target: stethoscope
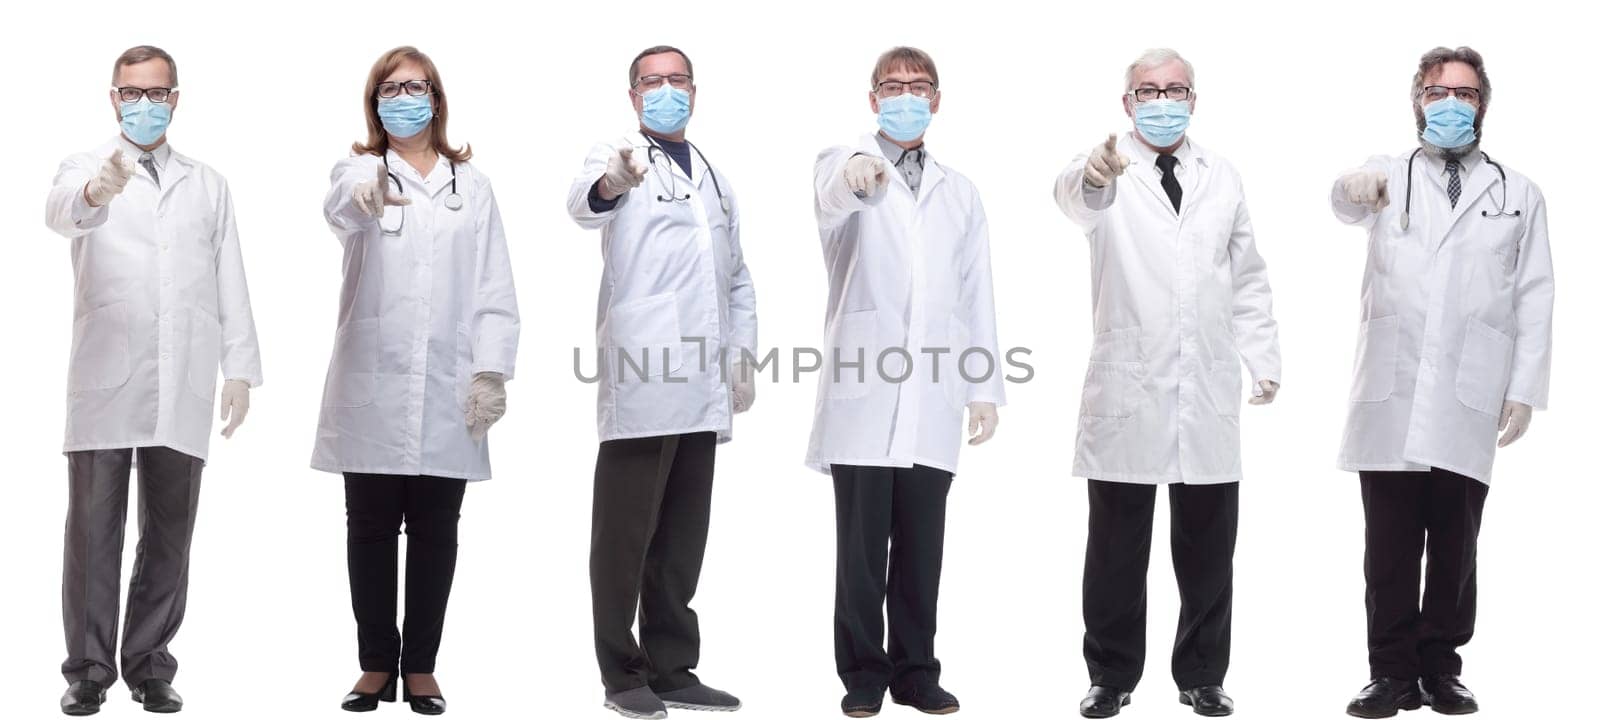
(452, 201)
(672, 188)
(1500, 207)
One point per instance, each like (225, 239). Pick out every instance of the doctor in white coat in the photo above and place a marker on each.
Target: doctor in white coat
(910, 345)
(676, 316)
(1454, 346)
(160, 302)
(1180, 298)
(426, 340)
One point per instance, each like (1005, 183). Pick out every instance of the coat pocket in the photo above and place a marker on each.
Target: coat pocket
(463, 365)
(1485, 368)
(854, 339)
(1225, 379)
(1108, 389)
(957, 388)
(205, 353)
(645, 338)
(355, 357)
(1376, 353)
(100, 350)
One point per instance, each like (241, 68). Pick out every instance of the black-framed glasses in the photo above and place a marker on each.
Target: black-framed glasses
(647, 83)
(894, 88)
(133, 94)
(1176, 92)
(411, 87)
(1469, 95)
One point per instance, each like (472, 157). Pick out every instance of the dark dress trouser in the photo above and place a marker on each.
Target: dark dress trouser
(1205, 522)
(97, 512)
(1410, 514)
(890, 524)
(652, 513)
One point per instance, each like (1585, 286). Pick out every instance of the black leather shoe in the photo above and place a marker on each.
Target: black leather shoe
(157, 696)
(423, 704)
(83, 697)
(928, 698)
(1448, 696)
(1384, 697)
(1207, 700)
(862, 702)
(1104, 702)
(367, 702)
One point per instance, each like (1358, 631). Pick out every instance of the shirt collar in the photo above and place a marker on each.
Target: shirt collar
(160, 155)
(894, 153)
(1185, 153)
(1469, 163)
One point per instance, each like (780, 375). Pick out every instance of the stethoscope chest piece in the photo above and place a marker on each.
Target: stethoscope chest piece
(453, 201)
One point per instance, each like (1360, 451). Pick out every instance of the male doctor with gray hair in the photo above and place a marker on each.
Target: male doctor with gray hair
(1180, 298)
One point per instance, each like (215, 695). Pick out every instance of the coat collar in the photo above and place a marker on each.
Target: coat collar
(661, 163)
(1193, 161)
(932, 172)
(171, 164)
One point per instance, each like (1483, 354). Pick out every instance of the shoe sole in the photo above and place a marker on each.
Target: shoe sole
(937, 711)
(1125, 702)
(1184, 700)
(701, 708)
(618, 709)
(1429, 702)
(862, 713)
(1374, 716)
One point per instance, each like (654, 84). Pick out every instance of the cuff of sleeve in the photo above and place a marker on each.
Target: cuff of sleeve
(1098, 198)
(599, 204)
(504, 369)
(83, 214)
(1539, 404)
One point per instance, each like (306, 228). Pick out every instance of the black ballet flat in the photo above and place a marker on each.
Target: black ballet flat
(367, 702)
(423, 704)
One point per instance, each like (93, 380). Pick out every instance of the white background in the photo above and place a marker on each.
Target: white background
(271, 98)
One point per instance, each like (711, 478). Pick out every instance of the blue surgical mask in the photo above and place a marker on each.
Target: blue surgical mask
(904, 117)
(405, 115)
(1161, 122)
(1449, 123)
(144, 122)
(666, 110)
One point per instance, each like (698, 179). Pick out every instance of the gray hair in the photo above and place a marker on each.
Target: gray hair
(1157, 57)
(1438, 57)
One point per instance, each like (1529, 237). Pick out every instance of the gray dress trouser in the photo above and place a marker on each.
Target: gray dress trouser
(91, 578)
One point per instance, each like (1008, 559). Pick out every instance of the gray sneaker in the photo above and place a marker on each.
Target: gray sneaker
(700, 697)
(639, 703)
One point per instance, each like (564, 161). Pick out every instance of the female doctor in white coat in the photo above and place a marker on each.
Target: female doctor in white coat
(1454, 345)
(427, 337)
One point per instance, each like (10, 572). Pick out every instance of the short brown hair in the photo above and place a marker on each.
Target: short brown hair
(1439, 56)
(633, 67)
(909, 58)
(377, 138)
(143, 53)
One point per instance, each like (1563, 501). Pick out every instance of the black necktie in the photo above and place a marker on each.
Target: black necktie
(1169, 180)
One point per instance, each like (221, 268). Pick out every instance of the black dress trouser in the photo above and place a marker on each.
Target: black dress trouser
(890, 548)
(1205, 523)
(375, 507)
(652, 513)
(1410, 514)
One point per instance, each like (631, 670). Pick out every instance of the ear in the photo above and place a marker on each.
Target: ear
(872, 99)
(1127, 104)
(933, 107)
(116, 103)
(693, 91)
(172, 100)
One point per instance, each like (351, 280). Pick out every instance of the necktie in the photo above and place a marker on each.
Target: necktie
(1454, 168)
(1169, 180)
(149, 162)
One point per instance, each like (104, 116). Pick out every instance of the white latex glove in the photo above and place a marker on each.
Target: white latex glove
(1105, 163)
(743, 387)
(110, 181)
(864, 174)
(981, 416)
(624, 172)
(235, 405)
(1368, 188)
(1266, 391)
(372, 195)
(486, 403)
(1514, 420)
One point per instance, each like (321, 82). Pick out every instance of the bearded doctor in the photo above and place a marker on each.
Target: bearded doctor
(1180, 298)
(1452, 357)
(677, 315)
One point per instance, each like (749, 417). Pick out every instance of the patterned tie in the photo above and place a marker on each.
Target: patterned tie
(1454, 168)
(1169, 180)
(149, 162)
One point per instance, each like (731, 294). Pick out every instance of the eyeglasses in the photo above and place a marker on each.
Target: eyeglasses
(893, 88)
(1469, 95)
(1176, 92)
(654, 82)
(412, 87)
(132, 94)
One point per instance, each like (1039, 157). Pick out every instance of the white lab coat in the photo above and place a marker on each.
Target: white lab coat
(908, 275)
(1456, 318)
(675, 296)
(1179, 298)
(420, 313)
(160, 302)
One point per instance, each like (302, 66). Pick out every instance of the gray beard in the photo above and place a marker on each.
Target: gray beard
(1448, 154)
